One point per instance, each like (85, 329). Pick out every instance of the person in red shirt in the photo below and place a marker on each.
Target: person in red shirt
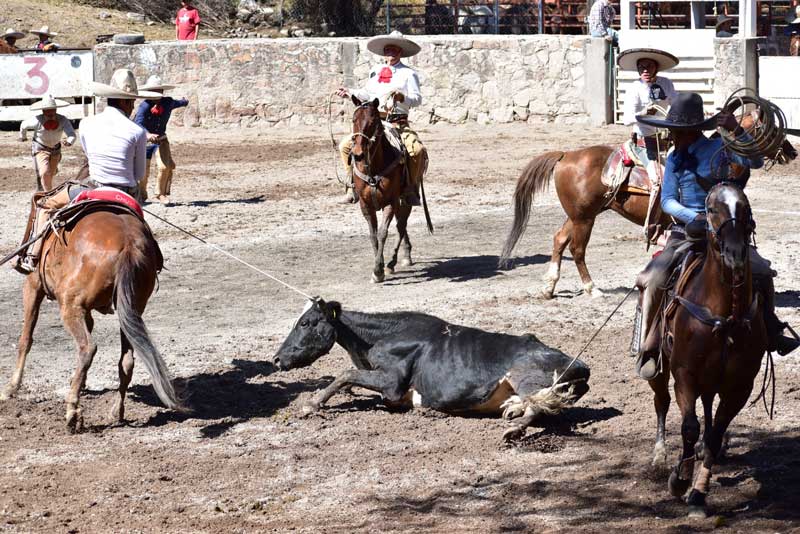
(187, 22)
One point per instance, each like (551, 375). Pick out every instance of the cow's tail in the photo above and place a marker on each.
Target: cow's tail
(133, 263)
(534, 179)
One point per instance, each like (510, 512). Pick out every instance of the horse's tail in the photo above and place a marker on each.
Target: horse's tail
(133, 262)
(534, 179)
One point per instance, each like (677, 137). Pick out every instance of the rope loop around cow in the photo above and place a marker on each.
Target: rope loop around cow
(768, 131)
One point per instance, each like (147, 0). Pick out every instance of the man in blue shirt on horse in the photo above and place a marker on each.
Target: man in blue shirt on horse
(153, 116)
(696, 164)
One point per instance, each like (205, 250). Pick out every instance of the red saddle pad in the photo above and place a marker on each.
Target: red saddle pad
(109, 194)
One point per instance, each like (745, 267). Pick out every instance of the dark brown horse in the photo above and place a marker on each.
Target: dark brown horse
(577, 177)
(108, 260)
(715, 340)
(378, 179)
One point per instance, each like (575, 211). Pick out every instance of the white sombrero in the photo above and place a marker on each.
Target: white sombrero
(48, 102)
(628, 59)
(379, 42)
(123, 86)
(154, 84)
(11, 32)
(44, 30)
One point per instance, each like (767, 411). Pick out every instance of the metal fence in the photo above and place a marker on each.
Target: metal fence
(433, 17)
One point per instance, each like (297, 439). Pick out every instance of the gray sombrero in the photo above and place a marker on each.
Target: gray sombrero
(44, 30)
(628, 59)
(48, 102)
(379, 42)
(154, 83)
(686, 113)
(123, 86)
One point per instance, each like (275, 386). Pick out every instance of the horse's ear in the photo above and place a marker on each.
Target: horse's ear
(375, 103)
(333, 310)
(355, 100)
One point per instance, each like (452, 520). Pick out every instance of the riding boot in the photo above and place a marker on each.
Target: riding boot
(29, 258)
(411, 194)
(776, 341)
(350, 195)
(647, 362)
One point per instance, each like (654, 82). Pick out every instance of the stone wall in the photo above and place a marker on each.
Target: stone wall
(286, 82)
(735, 66)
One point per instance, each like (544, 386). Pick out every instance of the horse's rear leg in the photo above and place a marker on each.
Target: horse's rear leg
(32, 296)
(560, 241)
(581, 233)
(729, 406)
(661, 401)
(125, 368)
(76, 322)
(402, 239)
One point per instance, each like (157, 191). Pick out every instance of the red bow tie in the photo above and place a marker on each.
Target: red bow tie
(51, 124)
(385, 76)
(157, 109)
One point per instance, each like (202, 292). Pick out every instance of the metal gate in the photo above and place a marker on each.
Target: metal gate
(778, 81)
(695, 72)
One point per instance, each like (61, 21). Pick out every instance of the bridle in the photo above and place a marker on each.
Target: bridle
(718, 240)
(372, 141)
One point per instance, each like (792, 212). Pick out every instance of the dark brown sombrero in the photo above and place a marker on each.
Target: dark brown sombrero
(686, 113)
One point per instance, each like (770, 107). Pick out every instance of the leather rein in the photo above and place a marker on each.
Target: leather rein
(373, 144)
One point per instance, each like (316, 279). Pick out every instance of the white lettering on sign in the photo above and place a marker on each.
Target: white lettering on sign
(36, 72)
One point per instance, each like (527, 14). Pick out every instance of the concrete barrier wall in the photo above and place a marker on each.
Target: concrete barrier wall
(286, 82)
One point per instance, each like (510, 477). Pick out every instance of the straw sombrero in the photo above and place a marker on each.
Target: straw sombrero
(379, 42)
(11, 32)
(44, 30)
(686, 113)
(123, 86)
(154, 84)
(48, 102)
(628, 59)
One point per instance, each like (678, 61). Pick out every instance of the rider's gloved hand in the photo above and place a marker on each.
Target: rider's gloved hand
(696, 229)
(398, 96)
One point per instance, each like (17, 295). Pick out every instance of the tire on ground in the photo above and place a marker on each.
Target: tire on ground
(129, 38)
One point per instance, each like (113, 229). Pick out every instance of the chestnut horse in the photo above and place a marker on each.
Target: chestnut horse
(379, 183)
(106, 260)
(577, 177)
(715, 342)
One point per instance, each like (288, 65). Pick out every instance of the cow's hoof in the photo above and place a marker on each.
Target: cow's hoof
(659, 456)
(514, 407)
(514, 433)
(377, 278)
(310, 408)
(677, 486)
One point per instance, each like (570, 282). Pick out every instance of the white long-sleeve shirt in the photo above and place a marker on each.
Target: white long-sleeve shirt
(385, 79)
(639, 95)
(47, 132)
(115, 147)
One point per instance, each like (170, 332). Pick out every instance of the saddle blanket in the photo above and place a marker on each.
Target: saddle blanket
(110, 194)
(616, 170)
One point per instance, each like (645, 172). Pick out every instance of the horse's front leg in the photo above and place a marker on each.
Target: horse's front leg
(661, 400)
(383, 232)
(372, 221)
(32, 296)
(681, 477)
(402, 240)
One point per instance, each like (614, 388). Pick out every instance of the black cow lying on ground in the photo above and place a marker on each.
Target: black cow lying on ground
(414, 359)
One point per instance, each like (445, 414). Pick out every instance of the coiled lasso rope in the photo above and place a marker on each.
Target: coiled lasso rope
(765, 136)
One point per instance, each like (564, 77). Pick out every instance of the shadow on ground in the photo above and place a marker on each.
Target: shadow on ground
(229, 397)
(462, 269)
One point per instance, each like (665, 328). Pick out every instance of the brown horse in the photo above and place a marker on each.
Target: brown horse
(577, 177)
(107, 260)
(378, 170)
(714, 344)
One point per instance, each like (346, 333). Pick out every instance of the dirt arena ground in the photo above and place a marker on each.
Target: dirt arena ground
(245, 461)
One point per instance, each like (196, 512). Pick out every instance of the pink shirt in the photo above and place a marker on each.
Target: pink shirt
(187, 22)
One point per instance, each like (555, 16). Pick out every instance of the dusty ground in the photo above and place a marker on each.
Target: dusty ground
(245, 460)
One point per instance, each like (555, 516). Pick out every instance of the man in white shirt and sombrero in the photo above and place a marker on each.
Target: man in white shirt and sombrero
(45, 44)
(48, 127)
(115, 148)
(396, 86)
(642, 95)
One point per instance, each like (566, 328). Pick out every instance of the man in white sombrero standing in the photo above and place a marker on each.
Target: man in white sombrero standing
(115, 149)
(153, 116)
(643, 94)
(48, 128)
(45, 44)
(9, 42)
(396, 86)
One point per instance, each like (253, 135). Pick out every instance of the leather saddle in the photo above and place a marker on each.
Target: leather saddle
(624, 171)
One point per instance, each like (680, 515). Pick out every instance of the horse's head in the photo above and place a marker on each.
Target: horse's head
(730, 224)
(312, 336)
(367, 127)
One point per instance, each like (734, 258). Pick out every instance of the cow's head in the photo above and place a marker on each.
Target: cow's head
(312, 336)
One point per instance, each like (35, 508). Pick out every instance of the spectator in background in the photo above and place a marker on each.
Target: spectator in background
(187, 22)
(724, 26)
(45, 44)
(48, 127)
(601, 16)
(793, 31)
(153, 116)
(9, 43)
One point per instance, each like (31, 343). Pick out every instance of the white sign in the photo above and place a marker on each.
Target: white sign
(33, 75)
(778, 79)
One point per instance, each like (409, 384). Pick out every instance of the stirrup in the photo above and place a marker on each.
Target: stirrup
(26, 264)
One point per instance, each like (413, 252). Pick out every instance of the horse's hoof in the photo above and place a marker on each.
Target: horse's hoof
(388, 271)
(697, 512)
(310, 408)
(659, 456)
(377, 278)
(75, 421)
(593, 292)
(545, 293)
(697, 504)
(6, 394)
(677, 487)
(406, 262)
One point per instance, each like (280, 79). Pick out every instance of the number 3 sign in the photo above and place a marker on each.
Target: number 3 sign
(37, 72)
